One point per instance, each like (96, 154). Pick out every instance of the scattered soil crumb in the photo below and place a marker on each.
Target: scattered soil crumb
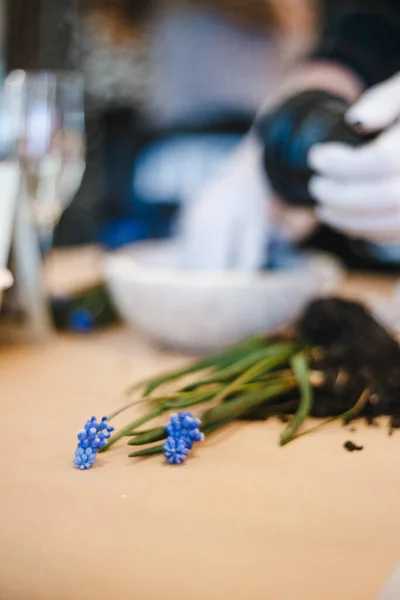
(352, 447)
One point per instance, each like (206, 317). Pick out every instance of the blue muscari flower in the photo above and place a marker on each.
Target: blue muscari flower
(84, 457)
(175, 450)
(91, 438)
(183, 431)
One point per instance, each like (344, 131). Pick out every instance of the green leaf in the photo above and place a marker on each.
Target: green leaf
(148, 437)
(187, 399)
(350, 414)
(137, 423)
(207, 429)
(276, 409)
(261, 367)
(284, 350)
(235, 353)
(301, 371)
(148, 451)
(239, 406)
(217, 361)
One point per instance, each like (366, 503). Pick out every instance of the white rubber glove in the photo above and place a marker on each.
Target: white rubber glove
(359, 188)
(227, 226)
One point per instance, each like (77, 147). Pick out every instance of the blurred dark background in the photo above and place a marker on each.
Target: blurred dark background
(150, 81)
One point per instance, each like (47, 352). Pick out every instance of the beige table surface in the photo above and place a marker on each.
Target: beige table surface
(242, 519)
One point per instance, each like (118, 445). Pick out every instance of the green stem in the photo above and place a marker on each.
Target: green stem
(136, 386)
(349, 415)
(263, 365)
(148, 437)
(239, 406)
(178, 400)
(120, 434)
(243, 364)
(278, 409)
(186, 400)
(148, 451)
(216, 362)
(124, 408)
(301, 371)
(158, 433)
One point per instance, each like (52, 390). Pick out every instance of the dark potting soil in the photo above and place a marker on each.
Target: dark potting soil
(354, 343)
(395, 422)
(354, 353)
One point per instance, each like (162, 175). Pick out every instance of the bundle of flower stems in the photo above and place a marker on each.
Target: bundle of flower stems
(230, 385)
(338, 363)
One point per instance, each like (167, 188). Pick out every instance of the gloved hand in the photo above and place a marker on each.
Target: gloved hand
(359, 188)
(227, 225)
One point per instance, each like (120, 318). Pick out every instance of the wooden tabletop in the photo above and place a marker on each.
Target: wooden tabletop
(242, 519)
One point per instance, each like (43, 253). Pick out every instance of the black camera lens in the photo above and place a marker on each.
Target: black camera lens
(288, 133)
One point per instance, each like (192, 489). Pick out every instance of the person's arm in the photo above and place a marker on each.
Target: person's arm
(358, 47)
(228, 224)
(363, 36)
(335, 68)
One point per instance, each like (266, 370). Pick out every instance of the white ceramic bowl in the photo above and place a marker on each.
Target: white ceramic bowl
(202, 312)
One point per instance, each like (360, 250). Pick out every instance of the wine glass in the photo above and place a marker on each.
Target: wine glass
(42, 131)
(45, 129)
